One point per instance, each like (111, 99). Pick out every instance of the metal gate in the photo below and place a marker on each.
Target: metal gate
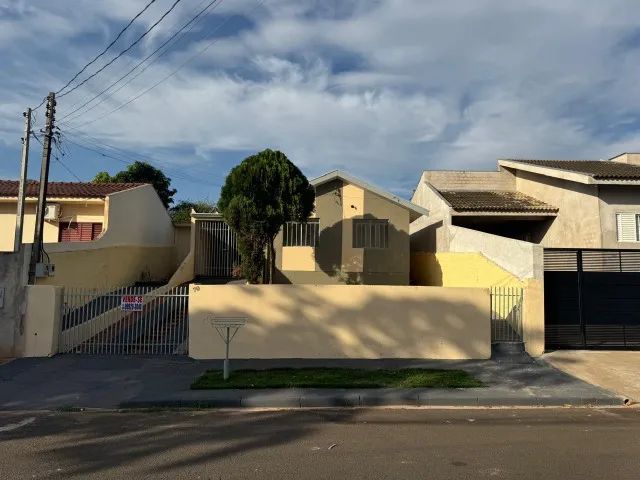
(216, 249)
(125, 321)
(506, 314)
(592, 298)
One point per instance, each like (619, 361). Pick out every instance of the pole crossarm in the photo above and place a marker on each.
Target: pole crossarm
(224, 326)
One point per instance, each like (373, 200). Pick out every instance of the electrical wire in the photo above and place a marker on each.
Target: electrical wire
(164, 79)
(189, 26)
(138, 40)
(113, 42)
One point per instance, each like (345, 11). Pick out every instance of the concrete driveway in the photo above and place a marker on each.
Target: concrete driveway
(616, 371)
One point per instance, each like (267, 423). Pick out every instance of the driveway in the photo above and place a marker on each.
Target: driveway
(612, 370)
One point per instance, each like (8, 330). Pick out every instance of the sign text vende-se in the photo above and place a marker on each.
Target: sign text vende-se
(132, 303)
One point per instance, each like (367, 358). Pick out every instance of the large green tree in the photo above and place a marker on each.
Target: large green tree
(142, 172)
(181, 212)
(258, 197)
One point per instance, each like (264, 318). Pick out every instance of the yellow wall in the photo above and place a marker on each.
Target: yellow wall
(533, 317)
(301, 259)
(342, 321)
(352, 207)
(110, 267)
(71, 210)
(450, 269)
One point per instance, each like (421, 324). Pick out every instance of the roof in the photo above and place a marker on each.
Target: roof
(494, 201)
(9, 188)
(415, 210)
(597, 169)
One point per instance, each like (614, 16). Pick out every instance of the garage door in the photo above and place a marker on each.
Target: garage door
(592, 299)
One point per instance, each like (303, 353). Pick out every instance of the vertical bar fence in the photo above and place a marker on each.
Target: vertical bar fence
(506, 314)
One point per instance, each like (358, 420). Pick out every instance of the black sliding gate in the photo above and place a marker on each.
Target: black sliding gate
(592, 298)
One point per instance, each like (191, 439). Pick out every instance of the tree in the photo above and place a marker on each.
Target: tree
(181, 213)
(258, 197)
(142, 172)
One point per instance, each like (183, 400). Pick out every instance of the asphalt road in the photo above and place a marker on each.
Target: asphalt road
(324, 444)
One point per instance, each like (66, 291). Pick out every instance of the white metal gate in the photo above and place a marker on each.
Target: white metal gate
(125, 321)
(216, 252)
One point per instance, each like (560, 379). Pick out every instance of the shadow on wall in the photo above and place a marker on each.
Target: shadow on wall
(166, 442)
(337, 260)
(338, 321)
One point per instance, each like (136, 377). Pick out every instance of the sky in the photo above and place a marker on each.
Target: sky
(383, 89)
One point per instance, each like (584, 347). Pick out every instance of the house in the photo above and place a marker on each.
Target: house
(358, 233)
(105, 235)
(76, 212)
(553, 203)
(572, 224)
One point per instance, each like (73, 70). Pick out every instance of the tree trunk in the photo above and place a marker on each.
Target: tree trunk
(272, 260)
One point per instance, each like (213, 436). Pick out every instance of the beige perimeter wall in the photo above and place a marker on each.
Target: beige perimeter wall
(342, 321)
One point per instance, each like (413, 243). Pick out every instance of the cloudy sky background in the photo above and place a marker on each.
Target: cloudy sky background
(381, 88)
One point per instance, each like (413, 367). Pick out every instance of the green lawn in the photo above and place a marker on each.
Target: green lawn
(337, 378)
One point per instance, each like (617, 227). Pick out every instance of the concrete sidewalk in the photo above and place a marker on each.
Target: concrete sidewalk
(74, 381)
(617, 371)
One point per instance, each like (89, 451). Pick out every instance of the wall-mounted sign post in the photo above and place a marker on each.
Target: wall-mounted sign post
(227, 327)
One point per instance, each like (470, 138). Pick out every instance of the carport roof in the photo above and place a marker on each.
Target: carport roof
(494, 201)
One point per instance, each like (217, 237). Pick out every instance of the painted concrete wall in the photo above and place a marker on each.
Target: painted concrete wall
(182, 240)
(334, 260)
(616, 199)
(13, 278)
(429, 234)
(521, 259)
(42, 321)
(451, 269)
(71, 210)
(342, 321)
(138, 245)
(578, 221)
(631, 158)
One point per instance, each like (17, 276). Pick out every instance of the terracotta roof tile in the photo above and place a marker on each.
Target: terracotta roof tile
(494, 201)
(9, 188)
(598, 169)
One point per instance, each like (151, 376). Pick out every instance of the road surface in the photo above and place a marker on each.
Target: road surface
(324, 444)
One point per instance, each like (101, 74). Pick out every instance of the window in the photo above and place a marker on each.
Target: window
(628, 226)
(79, 231)
(370, 233)
(301, 234)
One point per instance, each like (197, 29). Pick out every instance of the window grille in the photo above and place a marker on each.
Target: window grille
(368, 233)
(301, 234)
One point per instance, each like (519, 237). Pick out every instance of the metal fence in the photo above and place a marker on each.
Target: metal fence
(506, 314)
(125, 321)
(216, 250)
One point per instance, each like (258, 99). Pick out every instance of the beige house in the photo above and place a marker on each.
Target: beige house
(358, 234)
(76, 212)
(97, 235)
(552, 203)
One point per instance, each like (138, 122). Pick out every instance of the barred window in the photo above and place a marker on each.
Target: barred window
(301, 234)
(368, 233)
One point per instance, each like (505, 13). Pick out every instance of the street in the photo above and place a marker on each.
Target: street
(341, 443)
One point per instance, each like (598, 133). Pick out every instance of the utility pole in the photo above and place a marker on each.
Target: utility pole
(36, 251)
(24, 167)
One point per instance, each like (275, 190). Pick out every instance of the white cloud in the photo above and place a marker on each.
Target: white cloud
(383, 89)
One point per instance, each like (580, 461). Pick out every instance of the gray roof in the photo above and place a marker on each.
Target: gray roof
(416, 210)
(597, 169)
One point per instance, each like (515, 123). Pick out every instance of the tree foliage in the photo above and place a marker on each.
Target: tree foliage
(258, 197)
(181, 212)
(142, 172)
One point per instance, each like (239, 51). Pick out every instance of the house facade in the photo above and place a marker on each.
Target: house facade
(552, 203)
(76, 212)
(358, 234)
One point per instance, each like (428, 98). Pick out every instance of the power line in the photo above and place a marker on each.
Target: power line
(190, 24)
(108, 46)
(164, 79)
(138, 40)
(129, 160)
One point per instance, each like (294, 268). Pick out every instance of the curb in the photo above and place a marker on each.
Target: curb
(358, 400)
